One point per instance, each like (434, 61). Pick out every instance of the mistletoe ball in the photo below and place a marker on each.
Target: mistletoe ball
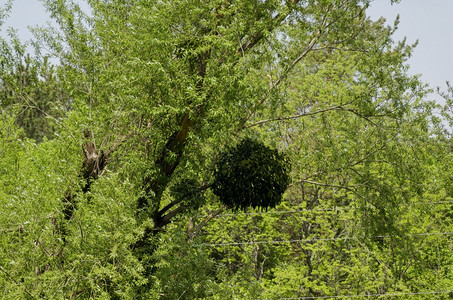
(251, 175)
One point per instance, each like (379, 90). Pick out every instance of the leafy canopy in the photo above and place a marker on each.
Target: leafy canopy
(113, 181)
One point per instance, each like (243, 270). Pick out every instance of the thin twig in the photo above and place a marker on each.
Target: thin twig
(337, 107)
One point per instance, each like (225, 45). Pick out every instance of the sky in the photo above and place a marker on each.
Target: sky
(430, 22)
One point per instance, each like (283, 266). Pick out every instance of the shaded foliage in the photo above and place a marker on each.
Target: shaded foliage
(251, 175)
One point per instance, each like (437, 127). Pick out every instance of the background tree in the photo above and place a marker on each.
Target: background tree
(30, 90)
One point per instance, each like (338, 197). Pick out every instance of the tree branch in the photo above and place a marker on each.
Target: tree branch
(360, 115)
(344, 187)
(259, 35)
(337, 107)
(167, 207)
(162, 221)
(283, 76)
(208, 218)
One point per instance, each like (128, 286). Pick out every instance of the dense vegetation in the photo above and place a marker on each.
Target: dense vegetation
(131, 137)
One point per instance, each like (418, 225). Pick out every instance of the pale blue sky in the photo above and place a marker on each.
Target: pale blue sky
(431, 22)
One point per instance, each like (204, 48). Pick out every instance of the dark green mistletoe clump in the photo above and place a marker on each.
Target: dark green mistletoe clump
(251, 175)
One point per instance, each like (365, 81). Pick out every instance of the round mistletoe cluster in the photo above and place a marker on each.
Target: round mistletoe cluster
(251, 175)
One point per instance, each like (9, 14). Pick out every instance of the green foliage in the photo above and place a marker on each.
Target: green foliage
(189, 192)
(183, 269)
(251, 175)
(125, 212)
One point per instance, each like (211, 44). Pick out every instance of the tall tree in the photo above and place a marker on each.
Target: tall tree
(157, 91)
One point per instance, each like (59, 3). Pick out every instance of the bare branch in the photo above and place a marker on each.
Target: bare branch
(337, 107)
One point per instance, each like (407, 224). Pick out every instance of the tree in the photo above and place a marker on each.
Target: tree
(30, 90)
(157, 90)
